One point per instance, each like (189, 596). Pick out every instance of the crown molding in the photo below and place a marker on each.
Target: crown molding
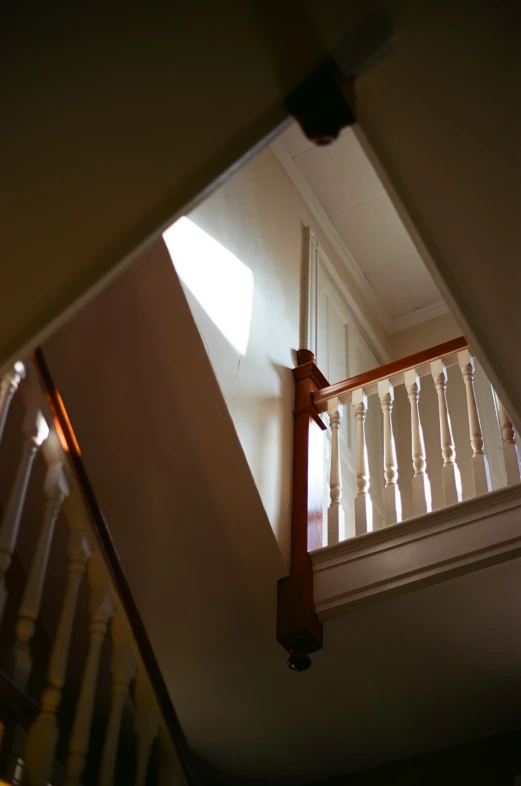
(418, 316)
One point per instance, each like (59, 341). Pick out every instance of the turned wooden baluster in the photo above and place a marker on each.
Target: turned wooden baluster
(450, 470)
(392, 496)
(8, 387)
(101, 611)
(43, 734)
(123, 671)
(363, 503)
(35, 431)
(510, 451)
(335, 514)
(421, 486)
(55, 490)
(146, 724)
(480, 466)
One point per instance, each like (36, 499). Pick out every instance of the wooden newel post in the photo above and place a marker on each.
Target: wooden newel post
(298, 628)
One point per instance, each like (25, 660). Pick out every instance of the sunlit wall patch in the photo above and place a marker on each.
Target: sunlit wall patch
(220, 282)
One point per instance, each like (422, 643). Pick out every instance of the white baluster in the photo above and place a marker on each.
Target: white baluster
(123, 671)
(392, 496)
(480, 466)
(146, 724)
(421, 486)
(101, 611)
(43, 734)
(510, 452)
(8, 387)
(35, 431)
(170, 771)
(335, 514)
(363, 503)
(55, 490)
(450, 470)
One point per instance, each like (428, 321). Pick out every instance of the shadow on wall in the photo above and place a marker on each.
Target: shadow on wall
(168, 468)
(247, 347)
(493, 761)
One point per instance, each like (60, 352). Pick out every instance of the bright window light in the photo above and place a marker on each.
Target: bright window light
(220, 282)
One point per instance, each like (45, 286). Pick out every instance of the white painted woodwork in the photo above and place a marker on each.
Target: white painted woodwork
(324, 289)
(8, 387)
(55, 490)
(146, 724)
(363, 504)
(101, 611)
(489, 418)
(35, 431)
(392, 496)
(421, 487)
(510, 452)
(450, 469)
(344, 345)
(480, 468)
(42, 738)
(388, 502)
(123, 671)
(443, 544)
(335, 513)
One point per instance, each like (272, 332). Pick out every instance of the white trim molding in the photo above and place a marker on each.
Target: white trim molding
(419, 315)
(326, 225)
(389, 324)
(316, 257)
(459, 539)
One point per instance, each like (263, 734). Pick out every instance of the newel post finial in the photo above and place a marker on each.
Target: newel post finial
(305, 356)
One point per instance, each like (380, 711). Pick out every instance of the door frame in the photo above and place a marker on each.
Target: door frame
(316, 258)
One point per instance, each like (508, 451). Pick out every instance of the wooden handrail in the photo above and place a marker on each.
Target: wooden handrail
(320, 397)
(108, 549)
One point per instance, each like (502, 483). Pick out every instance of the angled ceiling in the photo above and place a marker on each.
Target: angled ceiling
(353, 208)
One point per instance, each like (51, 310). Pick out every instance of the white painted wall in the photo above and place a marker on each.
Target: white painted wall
(259, 217)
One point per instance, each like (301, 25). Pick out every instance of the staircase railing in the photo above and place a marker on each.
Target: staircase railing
(382, 383)
(325, 512)
(102, 712)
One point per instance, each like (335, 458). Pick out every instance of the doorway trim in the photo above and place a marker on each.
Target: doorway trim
(316, 258)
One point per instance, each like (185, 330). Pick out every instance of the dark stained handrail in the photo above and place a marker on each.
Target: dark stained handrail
(395, 367)
(108, 549)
